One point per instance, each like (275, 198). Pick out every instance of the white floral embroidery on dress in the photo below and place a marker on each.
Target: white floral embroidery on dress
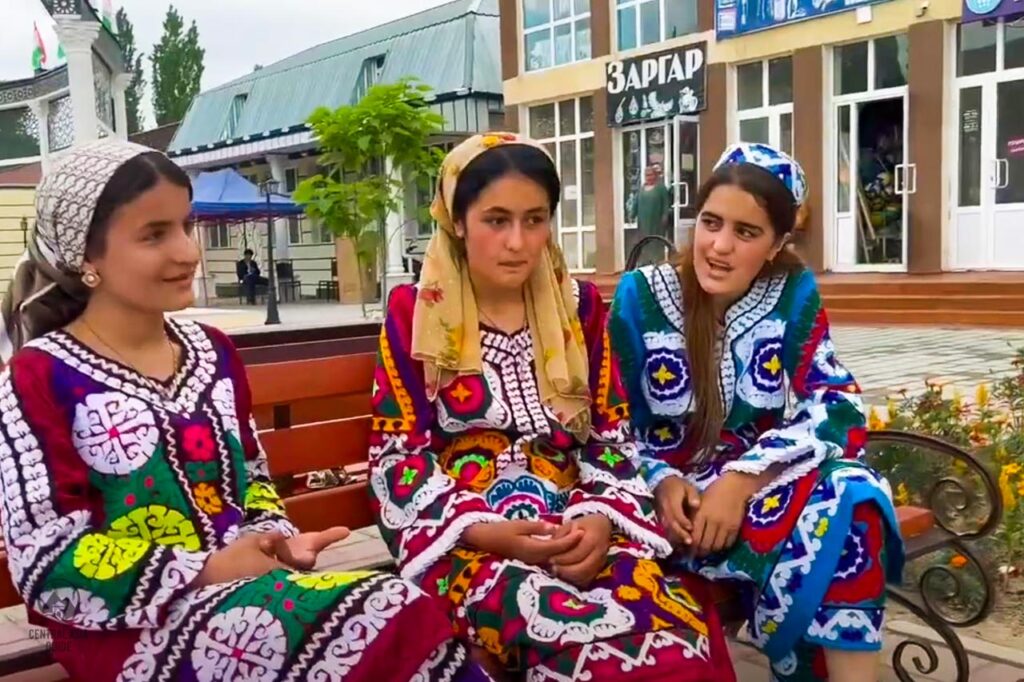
(73, 605)
(223, 396)
(762, 376)
(114, 433)
(243, 643)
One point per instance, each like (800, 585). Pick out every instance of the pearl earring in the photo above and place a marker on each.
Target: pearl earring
(90, 279)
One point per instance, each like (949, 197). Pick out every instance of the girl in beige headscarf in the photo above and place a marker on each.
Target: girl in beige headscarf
(500, 468)
(140, 523)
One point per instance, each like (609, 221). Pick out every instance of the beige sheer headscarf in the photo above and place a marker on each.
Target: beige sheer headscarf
(446, 334)
(45, 291)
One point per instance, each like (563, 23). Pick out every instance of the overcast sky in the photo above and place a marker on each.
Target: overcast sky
(237, 34)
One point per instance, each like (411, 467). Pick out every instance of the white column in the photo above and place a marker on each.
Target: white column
(78, 36)
(394, 236)
(277, 171)
(41, 109)
(120, 85)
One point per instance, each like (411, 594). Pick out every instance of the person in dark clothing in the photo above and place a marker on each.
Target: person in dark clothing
(249, 277)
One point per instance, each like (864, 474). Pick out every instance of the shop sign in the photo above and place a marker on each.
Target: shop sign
(657, 86)
(977, 10)
(737, 17)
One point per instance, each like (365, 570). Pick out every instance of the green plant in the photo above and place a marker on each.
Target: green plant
(370, 151)
(991, 426)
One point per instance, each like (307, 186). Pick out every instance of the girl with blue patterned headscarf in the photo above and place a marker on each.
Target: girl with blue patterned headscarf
(713, 349)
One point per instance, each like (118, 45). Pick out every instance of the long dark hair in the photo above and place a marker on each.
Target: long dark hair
(496, 163)
(704, 430)
(133, 178)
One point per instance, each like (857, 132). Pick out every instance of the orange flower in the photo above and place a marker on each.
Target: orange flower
(207, 498)
(875, 422)
(958, 561)
(490, 141)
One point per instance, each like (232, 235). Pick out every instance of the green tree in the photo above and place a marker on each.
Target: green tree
(390, 128)
(177, 69)
(133, 61)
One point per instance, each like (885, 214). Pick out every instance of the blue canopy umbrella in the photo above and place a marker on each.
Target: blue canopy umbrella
(227, 195)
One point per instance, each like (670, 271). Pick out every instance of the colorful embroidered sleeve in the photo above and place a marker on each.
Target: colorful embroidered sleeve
(264, 510)
(828, 421)
(70, 562)
(610, 481)
(625, 325)
(421, 510)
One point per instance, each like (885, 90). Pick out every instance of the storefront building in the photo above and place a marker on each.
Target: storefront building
(907, 115)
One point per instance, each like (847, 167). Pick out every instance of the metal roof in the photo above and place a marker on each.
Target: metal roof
(451, 48)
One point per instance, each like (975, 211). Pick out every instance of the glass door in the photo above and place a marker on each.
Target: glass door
(685, 182)
(873, 182)
(1007, 222)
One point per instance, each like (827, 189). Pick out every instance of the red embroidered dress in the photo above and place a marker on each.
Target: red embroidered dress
(116, 490)
(487, 450)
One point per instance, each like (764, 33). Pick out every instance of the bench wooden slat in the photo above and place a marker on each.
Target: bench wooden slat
(287, 382)
(312, 447)
(343, 506)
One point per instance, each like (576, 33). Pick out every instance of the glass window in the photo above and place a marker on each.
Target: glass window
(750, 85)
(786, 132)
(976, 51)
(567, 117)
(970, 146)
(780, 80)
(538, 50)
(851, 68)
(583, 39)
(587, 114)
(650, 22)
(755, 130)
(843, 152)
(566, 129)
(1013, 44)
(644, 22)
(542, 121)
(536, 13)
(627, 28)
(680, 18)
(218, 236)
(891, 61)
(555, 32)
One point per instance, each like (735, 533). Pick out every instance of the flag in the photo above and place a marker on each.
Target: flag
(107, 17)
(39, 52)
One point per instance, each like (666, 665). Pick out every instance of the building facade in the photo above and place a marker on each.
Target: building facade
(257, 124)
(907, 115)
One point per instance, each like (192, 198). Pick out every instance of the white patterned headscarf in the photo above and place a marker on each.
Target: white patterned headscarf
(47, 278)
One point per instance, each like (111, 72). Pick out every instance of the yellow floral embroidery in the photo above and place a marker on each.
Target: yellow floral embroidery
(822, 528)
(490, 141)
(628, 593)
(159, 524)
(264, 497)
(99, 557)
(329, 580)
(207, 498)
(770, 627)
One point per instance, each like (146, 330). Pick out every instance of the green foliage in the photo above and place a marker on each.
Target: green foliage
(390, 127)
(133, 61)
(991, 426)
(177, 69)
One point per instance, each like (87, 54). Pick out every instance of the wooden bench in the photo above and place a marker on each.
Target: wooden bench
(314, 415)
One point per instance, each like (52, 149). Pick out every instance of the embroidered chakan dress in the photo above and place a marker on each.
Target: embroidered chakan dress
(117, 489)
(487, 450)
(818, 544)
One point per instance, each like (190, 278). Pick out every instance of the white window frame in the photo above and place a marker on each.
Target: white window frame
(577, 231)
(214, 233)
(773, 112)
(549, 28)
(616, 8)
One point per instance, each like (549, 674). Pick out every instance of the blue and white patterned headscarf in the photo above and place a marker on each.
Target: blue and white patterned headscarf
(776, 162)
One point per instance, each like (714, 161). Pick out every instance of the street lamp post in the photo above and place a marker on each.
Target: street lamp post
(269, 188)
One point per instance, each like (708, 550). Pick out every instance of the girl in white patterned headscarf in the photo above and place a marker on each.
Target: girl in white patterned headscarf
(140, 522)
(74, 204)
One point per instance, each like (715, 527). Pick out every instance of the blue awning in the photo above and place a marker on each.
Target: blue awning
(227, 195)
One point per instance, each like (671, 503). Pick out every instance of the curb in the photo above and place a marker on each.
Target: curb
(972, 645)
